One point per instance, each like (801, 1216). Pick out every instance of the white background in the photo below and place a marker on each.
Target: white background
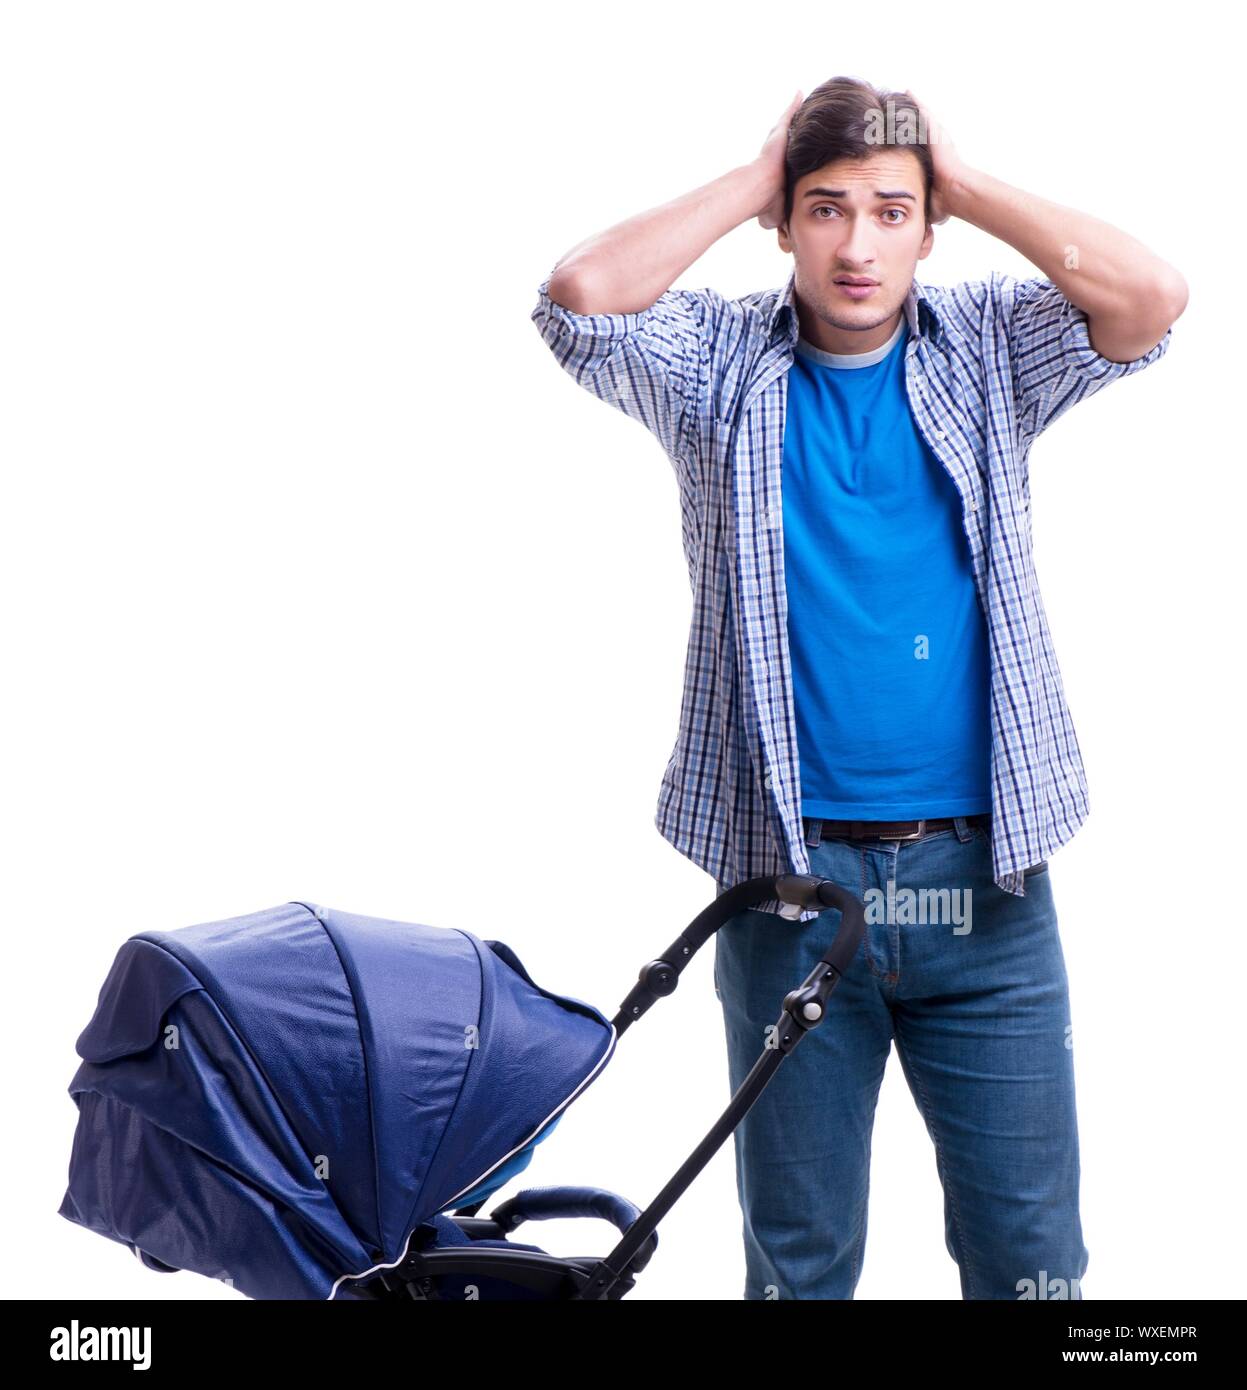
(322, 580)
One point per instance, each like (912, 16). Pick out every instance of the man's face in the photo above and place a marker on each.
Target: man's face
(862, 219)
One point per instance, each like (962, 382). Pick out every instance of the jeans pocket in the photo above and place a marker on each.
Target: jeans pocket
(1036, 869)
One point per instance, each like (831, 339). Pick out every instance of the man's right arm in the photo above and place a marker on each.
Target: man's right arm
(625, 269)
(608, 313)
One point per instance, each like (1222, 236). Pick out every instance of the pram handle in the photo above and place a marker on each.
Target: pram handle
(659, 978)
(551, 1203)
(804, 1008)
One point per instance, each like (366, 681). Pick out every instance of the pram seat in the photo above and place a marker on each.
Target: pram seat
(446, 1256)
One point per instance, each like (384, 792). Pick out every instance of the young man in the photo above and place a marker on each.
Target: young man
(871, 692)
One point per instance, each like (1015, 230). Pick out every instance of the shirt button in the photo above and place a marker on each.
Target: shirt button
(939, 434)
(767, 780)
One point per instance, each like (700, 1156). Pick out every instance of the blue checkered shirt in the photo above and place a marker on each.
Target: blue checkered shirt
(989, 364)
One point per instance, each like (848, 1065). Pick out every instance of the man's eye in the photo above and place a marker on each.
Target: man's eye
(895, 223)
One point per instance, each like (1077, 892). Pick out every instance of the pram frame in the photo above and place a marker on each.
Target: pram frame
(581, 1278)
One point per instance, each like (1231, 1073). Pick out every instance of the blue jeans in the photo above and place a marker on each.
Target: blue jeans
(974, 992)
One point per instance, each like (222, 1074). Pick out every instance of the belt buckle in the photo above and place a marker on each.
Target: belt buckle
(913, 835)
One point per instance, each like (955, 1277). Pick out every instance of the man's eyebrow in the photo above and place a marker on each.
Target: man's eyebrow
(843, 193)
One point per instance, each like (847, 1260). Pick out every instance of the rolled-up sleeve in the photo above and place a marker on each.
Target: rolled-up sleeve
(1054, 363)
(653, 365)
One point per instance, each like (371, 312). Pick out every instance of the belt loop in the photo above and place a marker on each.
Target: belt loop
(813, 831)
(962, 827)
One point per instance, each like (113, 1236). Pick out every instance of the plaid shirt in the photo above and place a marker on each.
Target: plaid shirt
(989, 364)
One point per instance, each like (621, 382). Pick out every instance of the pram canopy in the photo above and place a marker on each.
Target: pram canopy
(278, 1100)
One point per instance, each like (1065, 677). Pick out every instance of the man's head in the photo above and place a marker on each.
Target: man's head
(857, 205)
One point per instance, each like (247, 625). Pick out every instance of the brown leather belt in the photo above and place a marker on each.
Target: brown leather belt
(887, 829)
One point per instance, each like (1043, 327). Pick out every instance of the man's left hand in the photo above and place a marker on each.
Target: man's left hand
(947, 163)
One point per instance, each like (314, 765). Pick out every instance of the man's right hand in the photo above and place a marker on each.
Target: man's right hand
(628, 267)
(772, 160)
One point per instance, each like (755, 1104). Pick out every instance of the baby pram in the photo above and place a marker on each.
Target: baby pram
(307, 1103)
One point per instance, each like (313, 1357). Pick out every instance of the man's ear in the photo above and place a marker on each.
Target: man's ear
(928, 241)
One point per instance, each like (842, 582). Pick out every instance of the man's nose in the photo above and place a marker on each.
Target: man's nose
(857, 252)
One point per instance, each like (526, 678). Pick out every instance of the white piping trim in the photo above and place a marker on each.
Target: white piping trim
(602, 1061)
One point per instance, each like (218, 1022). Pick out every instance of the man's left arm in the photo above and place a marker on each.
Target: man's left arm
(1106, 307)
(1130, 296)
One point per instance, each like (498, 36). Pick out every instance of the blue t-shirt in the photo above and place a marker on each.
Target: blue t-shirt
(891, 678)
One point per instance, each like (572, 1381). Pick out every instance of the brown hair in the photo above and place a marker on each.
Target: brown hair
(846, 118)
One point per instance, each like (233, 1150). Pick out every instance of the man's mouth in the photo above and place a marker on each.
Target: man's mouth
(853, 287)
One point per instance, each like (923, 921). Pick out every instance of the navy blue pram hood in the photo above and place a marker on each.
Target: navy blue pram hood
(278, 1100)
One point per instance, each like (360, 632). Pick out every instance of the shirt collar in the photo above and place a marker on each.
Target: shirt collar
(918, 306)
